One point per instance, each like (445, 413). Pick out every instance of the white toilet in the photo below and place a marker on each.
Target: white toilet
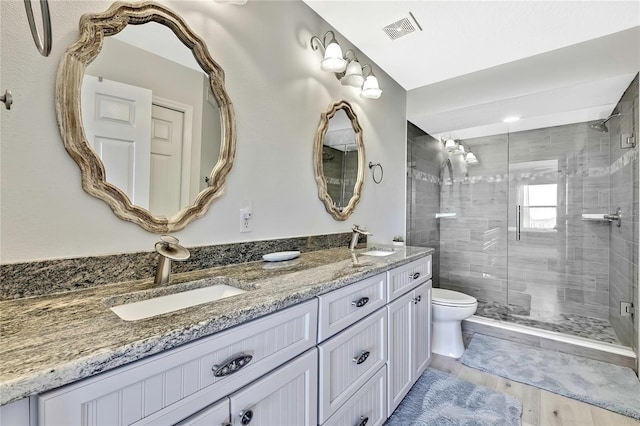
(449, 309)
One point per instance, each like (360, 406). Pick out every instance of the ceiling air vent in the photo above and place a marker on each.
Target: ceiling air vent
(401, 28)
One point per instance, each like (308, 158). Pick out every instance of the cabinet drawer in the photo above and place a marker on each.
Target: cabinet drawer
(217, 414)
(349, 359)
(341, 308)
(368, 406)
(407, 277)
(179, 381)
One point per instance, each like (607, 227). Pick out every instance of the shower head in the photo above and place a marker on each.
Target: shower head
(601, 125)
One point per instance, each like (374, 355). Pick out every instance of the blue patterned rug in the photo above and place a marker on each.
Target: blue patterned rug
(598, 383)
(439, 399)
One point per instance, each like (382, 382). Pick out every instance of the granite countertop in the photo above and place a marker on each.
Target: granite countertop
(50, 341)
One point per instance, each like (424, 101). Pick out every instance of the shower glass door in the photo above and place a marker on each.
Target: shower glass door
(558, 264)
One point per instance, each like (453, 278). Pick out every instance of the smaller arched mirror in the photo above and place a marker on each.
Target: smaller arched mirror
(339, 160)
(142, 109)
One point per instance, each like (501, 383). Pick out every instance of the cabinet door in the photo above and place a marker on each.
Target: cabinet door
(367, 407)
(422, 329)
(349, 359)
(217, 415)
(285, 397)
(401, 336)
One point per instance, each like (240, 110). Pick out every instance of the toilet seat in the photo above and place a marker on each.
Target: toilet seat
(440, 296)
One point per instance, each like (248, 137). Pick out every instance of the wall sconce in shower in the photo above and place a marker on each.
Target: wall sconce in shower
(347, 68)
(450, 145)
(470, 158)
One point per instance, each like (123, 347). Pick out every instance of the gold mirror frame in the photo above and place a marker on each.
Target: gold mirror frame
(323, 194)
(93, 29)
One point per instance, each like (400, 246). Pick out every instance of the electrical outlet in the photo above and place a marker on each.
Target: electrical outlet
(245, 220)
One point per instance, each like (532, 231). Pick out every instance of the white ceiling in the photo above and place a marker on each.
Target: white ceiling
(475, 62)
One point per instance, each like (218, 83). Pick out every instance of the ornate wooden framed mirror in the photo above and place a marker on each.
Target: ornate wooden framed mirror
(339, 160)
(143, 110)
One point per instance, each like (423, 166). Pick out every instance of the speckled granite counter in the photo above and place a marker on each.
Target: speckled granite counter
(50, 341)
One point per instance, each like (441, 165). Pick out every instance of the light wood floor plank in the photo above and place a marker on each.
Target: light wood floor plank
(528, 395)
(445, 364)
(539, 407)
(556, 410)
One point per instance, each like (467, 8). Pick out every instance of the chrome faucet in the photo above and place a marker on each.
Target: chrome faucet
(169, 249)
(357, 231)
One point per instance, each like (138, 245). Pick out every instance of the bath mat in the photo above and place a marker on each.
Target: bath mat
(598, 383)
(441, 399)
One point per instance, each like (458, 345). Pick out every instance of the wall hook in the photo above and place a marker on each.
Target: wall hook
(7, 99)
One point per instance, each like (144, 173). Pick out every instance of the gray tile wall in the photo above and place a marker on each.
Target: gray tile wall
(473, 245)
(423, 193)
(623, 255)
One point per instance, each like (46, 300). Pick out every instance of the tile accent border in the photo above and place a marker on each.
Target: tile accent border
(45, 277)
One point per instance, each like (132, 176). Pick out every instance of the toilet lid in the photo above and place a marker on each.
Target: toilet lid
(450, 297)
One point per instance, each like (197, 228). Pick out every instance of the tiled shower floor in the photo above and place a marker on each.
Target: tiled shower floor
(575, 325)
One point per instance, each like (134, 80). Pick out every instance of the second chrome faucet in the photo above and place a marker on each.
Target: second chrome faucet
(357, 231)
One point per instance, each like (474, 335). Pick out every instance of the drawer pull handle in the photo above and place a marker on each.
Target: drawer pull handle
(360, 302)
(363, 421)
(231, 366)
(416, 275)
(246, 417)
(362, 358)
(417, 299)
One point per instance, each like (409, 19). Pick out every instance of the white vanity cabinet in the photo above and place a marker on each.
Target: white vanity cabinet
(168, 387)
(284, 397)
(352, 331)
(409, 341)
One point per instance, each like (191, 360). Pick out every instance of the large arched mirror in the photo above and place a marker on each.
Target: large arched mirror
(339, 160)
(142, 109)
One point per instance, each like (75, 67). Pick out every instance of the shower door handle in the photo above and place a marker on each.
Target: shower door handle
(518, 218)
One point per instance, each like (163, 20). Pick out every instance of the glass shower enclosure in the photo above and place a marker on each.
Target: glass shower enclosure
(532, 229)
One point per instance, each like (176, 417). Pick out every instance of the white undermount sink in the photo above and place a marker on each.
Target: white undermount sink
(377, 253)
(157, 302)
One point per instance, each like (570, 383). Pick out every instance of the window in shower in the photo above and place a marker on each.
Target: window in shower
(540, 206)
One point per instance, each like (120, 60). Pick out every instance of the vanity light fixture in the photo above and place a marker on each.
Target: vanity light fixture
(353, 74)
(347, 68)
(370, 88)
(333, 60)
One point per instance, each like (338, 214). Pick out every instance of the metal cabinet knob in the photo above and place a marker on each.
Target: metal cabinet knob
(363, 421)
(415, 276)
(246, 417)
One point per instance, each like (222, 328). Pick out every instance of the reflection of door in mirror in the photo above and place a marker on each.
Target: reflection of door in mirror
(185, 131)
(340, 159)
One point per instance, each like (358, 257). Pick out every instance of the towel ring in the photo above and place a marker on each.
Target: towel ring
(42, 44)
(373, 167)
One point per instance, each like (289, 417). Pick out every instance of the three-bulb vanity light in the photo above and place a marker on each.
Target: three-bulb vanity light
(347, 68)
(456, 147)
